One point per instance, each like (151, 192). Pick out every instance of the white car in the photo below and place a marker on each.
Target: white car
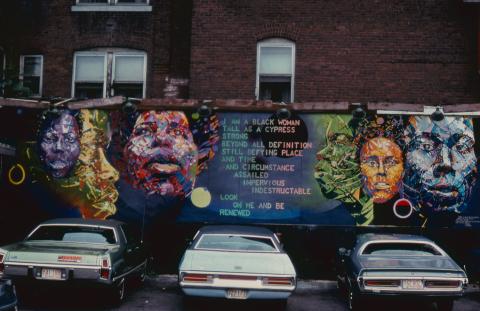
(237, 262)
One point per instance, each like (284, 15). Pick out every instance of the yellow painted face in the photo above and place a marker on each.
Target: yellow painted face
(96, 175)
(381, 164)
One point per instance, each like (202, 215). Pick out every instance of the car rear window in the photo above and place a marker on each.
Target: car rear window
(84, 234)
(400, 249)
(235, 243)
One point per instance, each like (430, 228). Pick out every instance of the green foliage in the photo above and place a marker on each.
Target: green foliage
(10, 84)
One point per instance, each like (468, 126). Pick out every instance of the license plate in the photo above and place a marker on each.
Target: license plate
(412, 284)
(237, 294)
(51, 274)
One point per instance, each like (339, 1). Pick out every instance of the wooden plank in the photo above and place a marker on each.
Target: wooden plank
(111, 102)
(166, 103)
(462, 108)
(24, 103)
(394, 106)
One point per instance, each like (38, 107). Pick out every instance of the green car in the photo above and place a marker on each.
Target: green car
(94, 252)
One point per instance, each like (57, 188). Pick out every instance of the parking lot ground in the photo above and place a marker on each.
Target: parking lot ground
(162, 293)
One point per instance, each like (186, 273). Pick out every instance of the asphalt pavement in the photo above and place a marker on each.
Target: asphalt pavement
(162, 293)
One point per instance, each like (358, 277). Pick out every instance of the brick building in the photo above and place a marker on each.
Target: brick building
(50, 43)
(396, 51)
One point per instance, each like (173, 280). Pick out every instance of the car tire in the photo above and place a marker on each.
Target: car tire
(279, 304)
(444, 305)
(117, 291)
(341, 287)
(190, 303)
(139, 277)
(353, 300)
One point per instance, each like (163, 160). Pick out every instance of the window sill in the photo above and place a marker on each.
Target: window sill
(112, 8)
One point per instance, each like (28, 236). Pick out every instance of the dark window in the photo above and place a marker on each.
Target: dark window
(275, 70)
(82, 234)
(400, 249)
(93, 1)
(235, 243)
(133, 234)
(31, 67)
(88, 90)
(109, 73)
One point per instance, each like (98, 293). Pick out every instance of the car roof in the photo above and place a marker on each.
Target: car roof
(372, 237)
(81, 221)
(232, 229)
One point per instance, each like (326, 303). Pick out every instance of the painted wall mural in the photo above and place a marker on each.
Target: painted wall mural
(325, 169)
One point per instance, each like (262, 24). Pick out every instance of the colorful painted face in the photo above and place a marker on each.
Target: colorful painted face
(440, 163)
(337, 170)
(161, 155)
(381, 165)
(95, 174)
(60, 145)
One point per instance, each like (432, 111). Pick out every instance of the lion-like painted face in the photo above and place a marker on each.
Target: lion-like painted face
(381, 165)
(440, 163)
(161, 154)
(96, 176)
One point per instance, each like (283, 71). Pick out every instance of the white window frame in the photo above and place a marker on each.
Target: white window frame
(91, 54)
(111, 6)
(276, 42)
(22, 68)
(112, 2)
(131, 54)
(114, 52)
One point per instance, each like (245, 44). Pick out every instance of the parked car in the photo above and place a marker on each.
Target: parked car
(8, 298)
(237, 262)
(391, 265)
(96, 252)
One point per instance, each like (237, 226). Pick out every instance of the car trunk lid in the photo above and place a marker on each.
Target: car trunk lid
(237, 262)
(55, 253)
(410, 263)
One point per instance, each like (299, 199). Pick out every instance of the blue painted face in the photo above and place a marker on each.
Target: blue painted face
(440, 163)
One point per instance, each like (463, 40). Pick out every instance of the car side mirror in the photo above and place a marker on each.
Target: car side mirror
(342, 251)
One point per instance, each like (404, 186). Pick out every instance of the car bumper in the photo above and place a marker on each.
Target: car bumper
(223, 293)
(33, 272)
(252, 286)
(418, 294)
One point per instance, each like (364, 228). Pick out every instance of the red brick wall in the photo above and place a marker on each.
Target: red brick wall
(419, 51)
(53, 30)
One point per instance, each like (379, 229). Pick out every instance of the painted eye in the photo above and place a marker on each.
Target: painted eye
(427, 147)
(143, 131)
(391, 162)
(462, 148)
(177, 132)
(70, 139)
(372, 163)
(49, 138)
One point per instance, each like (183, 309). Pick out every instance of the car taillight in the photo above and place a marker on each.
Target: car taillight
(105, 269)
(442, 284)
(2, 265)
(277, 281)
(104, 273)
(194, 277)
(382, 283)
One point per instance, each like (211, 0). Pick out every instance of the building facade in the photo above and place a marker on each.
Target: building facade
(214, 138)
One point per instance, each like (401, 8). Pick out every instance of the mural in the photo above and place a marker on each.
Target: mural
(325, 169)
